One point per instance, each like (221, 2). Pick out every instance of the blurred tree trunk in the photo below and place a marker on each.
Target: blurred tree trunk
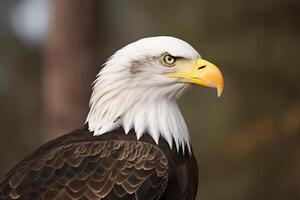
(72, 58)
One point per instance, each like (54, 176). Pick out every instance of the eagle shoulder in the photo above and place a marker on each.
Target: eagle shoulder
(76, 166)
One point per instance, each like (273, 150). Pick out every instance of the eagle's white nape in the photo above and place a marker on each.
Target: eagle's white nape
(131, 91)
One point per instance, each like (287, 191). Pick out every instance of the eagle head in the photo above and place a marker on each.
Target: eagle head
(138, 86)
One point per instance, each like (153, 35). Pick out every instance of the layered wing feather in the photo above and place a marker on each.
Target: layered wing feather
(108, 169)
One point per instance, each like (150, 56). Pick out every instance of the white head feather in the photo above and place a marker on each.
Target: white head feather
(132, 91)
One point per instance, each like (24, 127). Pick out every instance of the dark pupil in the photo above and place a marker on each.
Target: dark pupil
(170, 59)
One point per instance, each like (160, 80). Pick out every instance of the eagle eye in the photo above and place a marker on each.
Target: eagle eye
(168, 60)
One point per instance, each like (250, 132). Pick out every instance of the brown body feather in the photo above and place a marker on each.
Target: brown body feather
(112, 166)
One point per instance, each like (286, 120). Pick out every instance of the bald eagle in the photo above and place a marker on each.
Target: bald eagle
(135, 143)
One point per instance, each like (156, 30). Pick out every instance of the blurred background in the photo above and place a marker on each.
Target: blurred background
(247, 142)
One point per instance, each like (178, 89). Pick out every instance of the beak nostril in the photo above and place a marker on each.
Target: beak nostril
(201, 67)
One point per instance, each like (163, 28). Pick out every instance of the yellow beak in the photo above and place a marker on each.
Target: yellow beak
(200, 72)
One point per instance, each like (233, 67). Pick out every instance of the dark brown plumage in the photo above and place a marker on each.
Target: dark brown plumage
(112, 166)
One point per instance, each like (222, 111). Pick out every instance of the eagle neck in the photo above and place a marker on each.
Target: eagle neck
(159, 117)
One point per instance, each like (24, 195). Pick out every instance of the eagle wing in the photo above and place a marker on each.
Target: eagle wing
(108, 169)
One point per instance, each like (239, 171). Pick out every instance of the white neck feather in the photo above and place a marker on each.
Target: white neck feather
(151, 110)
(159, 118)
